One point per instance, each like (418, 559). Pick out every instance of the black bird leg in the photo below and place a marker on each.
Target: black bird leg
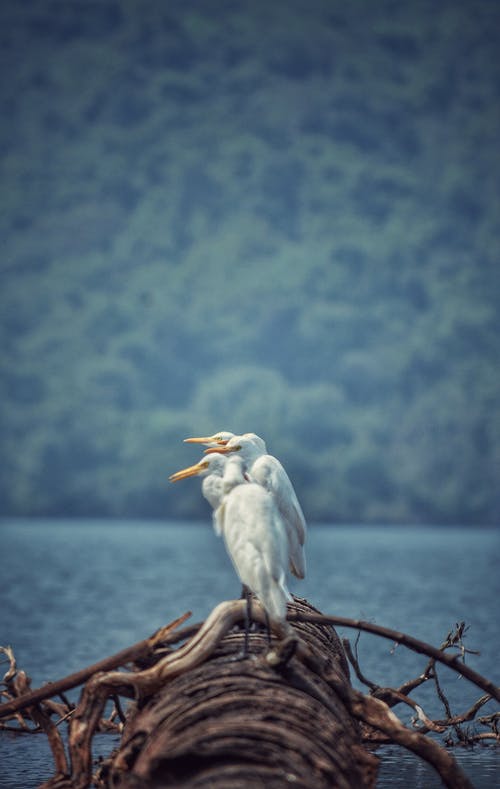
(248, 619)
(244, 652)
(268, 628)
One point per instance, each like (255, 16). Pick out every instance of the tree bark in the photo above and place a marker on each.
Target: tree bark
(249, 723)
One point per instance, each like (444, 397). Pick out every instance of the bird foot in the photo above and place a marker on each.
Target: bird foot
(282, 652)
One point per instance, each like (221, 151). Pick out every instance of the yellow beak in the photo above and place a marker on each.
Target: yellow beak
(205, 440)
(221, 450)
(190, 471)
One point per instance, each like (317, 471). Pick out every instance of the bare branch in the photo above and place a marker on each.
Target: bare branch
(452, 661)
(376, 713)
(354, 661)
(135, 652)
(21, 683)
(11, 673)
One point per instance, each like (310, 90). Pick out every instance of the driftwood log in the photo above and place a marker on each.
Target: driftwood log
(286, 714)
(249, 722)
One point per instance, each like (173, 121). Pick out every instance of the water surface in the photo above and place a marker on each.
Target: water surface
(73, 592)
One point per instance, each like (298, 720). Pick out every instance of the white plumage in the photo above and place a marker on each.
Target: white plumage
(267, 471)
(256, 540)
(253, 529)
(211, 468)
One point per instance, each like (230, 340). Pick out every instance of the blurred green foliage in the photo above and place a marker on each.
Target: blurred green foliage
(278, 217)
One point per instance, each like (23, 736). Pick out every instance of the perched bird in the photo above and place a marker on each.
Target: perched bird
(218, 439)
(253, 529)
(255, 537)
(268, 472)
(211, 468)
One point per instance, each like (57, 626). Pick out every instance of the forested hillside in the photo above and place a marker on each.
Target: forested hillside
(272, 217)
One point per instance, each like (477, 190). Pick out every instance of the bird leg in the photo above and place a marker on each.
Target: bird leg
(247, 595)
(268, 628)
(244, 652)
(248, 620)
(244, 592)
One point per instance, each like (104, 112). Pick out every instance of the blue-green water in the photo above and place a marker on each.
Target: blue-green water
(73, 592)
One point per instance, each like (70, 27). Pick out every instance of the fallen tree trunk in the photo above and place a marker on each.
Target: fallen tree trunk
(230, 723)
(202, 717)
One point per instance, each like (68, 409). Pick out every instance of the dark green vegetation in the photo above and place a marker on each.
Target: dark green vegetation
(282, 219)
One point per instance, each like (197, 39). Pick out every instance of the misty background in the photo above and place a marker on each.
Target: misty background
(272, 217)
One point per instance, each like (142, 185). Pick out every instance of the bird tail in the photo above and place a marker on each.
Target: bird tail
(298, 567)
(277, 599)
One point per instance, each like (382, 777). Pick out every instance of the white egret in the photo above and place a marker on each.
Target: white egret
(218, 439)
(255, 536)
(253, 529)
(268, 472)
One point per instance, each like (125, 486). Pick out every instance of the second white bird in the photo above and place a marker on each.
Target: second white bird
(256, 539)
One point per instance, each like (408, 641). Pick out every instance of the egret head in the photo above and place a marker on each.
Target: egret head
(255, 441)
(249, 446)
(207, 465)
(219, 439)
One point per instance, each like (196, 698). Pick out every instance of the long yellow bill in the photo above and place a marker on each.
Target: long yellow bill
(190, 471)
(221, 450)
(215, 439)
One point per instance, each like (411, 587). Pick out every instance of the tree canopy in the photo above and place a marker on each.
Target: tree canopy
(280, 218)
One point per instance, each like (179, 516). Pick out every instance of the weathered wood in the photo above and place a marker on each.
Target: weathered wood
(247, 723)
(201, 718)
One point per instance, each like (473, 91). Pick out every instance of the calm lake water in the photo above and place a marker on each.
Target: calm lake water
(73, 592)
